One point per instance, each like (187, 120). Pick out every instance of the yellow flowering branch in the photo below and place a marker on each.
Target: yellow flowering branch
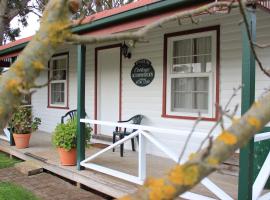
(183, 177)
(34, 58)
(55, 30)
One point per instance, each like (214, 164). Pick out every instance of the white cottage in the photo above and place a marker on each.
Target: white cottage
(183, 69)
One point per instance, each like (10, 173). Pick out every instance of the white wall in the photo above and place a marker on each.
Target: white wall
(148, 100)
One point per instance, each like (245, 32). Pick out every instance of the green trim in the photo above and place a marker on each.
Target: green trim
(144, 11)
(81, 51)
(265, 129)
(13, 49)
(154, 8)
(245, 181)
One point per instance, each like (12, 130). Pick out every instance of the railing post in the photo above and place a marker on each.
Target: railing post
(80, 104)
(142, 157)
(245, 181)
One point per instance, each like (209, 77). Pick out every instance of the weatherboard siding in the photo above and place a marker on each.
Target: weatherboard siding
(148, 100)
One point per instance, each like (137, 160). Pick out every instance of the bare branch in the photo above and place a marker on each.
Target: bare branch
(261, 46)
(234, 94)
(140, 34)
(243, 13)
(189, 137)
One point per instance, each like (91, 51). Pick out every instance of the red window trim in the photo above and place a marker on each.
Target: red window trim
(48, 102)
(164, 96)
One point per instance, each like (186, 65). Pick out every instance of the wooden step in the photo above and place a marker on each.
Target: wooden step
(29, 168)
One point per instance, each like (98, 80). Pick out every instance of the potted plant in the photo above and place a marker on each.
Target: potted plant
(65, 139)
(22, 124)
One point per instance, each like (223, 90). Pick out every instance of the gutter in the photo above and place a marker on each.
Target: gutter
(140, 12)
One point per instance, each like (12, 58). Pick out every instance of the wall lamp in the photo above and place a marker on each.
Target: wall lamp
(125, 51)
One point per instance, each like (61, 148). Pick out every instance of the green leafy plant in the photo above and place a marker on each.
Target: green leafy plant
(22, 121)
(65, 135)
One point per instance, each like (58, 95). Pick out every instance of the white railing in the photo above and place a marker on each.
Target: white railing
(264, 3)
(264, 173)
(6, 135)
(144, 134)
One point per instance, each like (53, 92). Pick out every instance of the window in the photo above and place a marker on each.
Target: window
(191, 68)
(58, 76)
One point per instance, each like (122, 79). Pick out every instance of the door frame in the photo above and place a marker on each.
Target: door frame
(97, 49)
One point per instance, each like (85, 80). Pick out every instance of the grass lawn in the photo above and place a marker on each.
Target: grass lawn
(5, 161)
(10, 191)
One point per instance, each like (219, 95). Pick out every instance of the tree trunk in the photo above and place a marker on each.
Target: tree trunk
(3, 8)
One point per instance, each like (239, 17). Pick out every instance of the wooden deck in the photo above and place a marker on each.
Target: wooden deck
(44, 154)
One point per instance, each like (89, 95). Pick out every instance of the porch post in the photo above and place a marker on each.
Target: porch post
(245, 181)
(11, 138)
(80, 104)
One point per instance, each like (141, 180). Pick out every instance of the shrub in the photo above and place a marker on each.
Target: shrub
(65, 135)
(22, 121)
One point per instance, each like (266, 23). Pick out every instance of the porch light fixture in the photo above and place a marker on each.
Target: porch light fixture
(125, 51)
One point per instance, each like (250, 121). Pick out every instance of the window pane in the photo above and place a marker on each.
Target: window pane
(57, 93)
(60, 63)
(182, 56)
(59, 75)
(189, 94)
(192, 55)
(202, 54)
(182, 48)
(200, 94)
(59, 67)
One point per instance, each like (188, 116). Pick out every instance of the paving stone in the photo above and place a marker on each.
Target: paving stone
(46, 186)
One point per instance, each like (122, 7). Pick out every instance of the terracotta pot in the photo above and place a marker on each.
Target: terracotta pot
(21, 140)
(67, 158)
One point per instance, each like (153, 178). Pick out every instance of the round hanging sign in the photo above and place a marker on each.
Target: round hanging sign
(142, 74)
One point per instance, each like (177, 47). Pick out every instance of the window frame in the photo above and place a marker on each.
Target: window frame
(66, 82)
(168, 74)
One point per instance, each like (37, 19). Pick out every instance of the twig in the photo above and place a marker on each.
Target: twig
(189, 137)
(208, 149)
(140, 34)
(221, 113)
(243, 13)
(41, 85)
(261, 46)
(235, 91)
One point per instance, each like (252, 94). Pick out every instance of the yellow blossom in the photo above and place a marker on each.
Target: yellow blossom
(18, 68)
(38, 65)
(12, 85)
(125, 198)
(191, 175)
(212, 161)
(159, 190)
(254, 122)
(184, 175)
(176, 175)
(227, 137)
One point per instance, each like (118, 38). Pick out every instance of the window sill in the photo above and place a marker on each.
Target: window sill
(58, 107)
(188, 117)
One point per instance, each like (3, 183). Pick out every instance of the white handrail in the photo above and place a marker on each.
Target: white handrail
(7, 135)
(261, 179)
(134, 126)
(261, 137)
(144, 135)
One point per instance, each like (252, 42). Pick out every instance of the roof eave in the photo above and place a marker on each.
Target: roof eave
(150, 9)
